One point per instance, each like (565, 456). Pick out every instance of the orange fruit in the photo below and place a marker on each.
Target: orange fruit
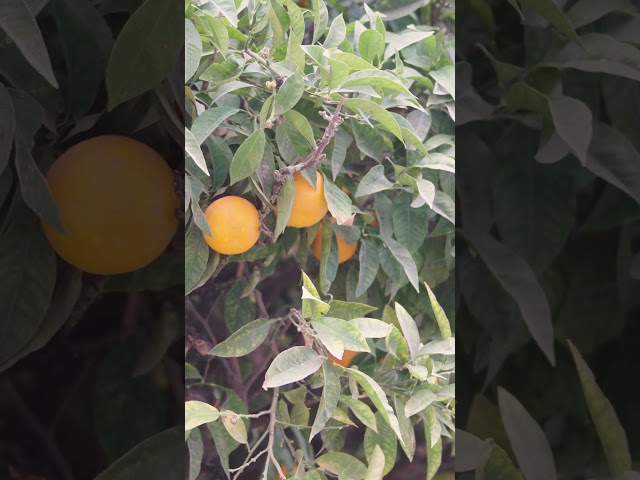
(117, 204)
(345, 190)
(346, 359)
(234, 225)
(286, 472)
(309, 205)
(374, 222)
(345, 250)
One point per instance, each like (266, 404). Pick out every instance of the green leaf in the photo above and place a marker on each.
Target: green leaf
(161, 456)
(434, 454)
(196, 452)
(64, 300)
(471, 452)
(348, 310)
(585, 12)
(376, 464)
(401, 41)
(377, 112)
(552, 12)
(328, 401)
(137, 64)
(370, 327)
(339, 335)
(354, 62)
(570, 117)
(239, 310)
(610, 431)
(296, 19)
(397, 346)
(86, 43)
(443, 205)
(301, 124)
(374, 181)
(27, 282)
(196, 255)
(247, 158)
(289, 94)
(228, 9)
(243, 341)
(419, 401)
(337, 33)
(406, 427)
(385, 440)
(35, 189)
(402, 255)
(439, 347)
(320, 19)
(19, 23)
(410, 224)
(362, 411)
(225, 72)
(285, 205)
(614, 158)
(209, 120)
(409, 329)
(198, 413)
(517, 278)
(440, 315)
(379, 399)
(377, 79)
(446, 78)
(292, 365)
(193, 49)
(295, 52)
(529, 442)
(192, 147)
(234, 426)
(343, 465)
(369, 264)
(219, 34)
(371, 46)
(312, 305)
(338, 202)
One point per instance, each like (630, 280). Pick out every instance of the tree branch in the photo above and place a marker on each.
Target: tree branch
(272, 430)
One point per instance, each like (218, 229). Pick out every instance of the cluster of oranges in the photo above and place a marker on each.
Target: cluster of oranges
(133, 189)
(235, 222)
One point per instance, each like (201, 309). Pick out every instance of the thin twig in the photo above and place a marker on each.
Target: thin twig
(272, 431)
(263, 62)
(249, 460)
(43, 434)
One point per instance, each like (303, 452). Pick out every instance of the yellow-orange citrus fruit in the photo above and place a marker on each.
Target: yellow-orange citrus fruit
(346, 359)
(117, 203)
(234, 224)
(374, 222)
(309, 205)
(345, 250)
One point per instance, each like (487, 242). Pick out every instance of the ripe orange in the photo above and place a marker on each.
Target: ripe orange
(346, 359)
(309, 205)
(234, 224)
(374, 222)
(117, 203)
(345, 250)
(286, 472)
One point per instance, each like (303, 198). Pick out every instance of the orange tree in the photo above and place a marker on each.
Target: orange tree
(325, 130)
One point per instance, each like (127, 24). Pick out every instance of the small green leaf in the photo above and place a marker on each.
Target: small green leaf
(193, 49)
(374, 181)
(339, 335)
(419, 401)
(292, 365)
(343, 465)
(285, 206)
(198, 413)
(289, 93)
(371, 328)
(137, 64)
(337, 33)
(362, 411)
(19, 23)
(320, 19)
(192, 147)
(376, 111)
(247, 158)
(610, 431)
(371, 46)
(529, 442)
(235, 426)
(348, 310)
(209, 120)
(440, 315)
(409, 329)
(369, 264)
(244, 341)
(385, 440)
(405, 259)
(328, 401)
(338, 202)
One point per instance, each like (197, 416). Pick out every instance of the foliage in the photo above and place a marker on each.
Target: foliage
(82, 356)
(275, 88)
(548, 195)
